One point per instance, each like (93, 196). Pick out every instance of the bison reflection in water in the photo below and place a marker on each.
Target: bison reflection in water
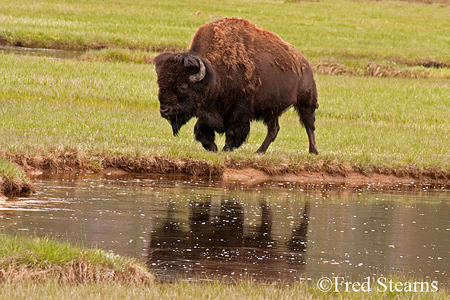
(233, 73)
(215, 243)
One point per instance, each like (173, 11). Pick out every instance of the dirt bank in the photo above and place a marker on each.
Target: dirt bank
(249, 172)
(10, 188)
(254, 176)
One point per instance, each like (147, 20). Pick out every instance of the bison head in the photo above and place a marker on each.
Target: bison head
(184, 81)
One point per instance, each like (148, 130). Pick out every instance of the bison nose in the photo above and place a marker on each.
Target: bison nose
(165, 111)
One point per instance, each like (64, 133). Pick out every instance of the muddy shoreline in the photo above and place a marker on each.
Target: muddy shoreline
(351, 179)
(247, 172)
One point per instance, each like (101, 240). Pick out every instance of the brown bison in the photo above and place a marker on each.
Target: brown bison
(233, 73)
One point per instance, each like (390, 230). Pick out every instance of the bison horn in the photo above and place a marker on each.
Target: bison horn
(201, 73)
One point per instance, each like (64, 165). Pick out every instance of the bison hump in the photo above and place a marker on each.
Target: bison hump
(233, 44)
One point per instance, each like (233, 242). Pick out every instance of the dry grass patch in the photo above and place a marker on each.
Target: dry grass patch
(375, 69)
(74, 272)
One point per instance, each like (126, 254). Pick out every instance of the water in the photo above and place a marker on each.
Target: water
(203, 229)
(53, 53)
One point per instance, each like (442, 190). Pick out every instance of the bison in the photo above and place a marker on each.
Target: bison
(235, 72)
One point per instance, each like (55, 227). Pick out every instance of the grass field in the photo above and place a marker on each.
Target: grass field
(394, 33)
(96, 109)
(387, 111)
(385, 29)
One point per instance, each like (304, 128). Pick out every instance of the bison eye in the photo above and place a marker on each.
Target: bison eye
(183, 88)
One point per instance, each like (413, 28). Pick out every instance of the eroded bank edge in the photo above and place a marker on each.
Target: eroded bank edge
(246, 171)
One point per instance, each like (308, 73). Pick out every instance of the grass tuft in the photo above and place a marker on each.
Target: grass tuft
(36, 259)
(13, 180)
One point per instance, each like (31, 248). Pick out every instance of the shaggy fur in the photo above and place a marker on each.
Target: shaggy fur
(251, 74)
(233, 44)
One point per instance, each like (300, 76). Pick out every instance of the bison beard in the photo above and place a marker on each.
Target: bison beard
(177, 123)
(233, 73)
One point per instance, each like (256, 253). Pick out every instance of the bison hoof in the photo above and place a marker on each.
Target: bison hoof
(313, 151)
(260, 151)
(211, 147)
(227, 148)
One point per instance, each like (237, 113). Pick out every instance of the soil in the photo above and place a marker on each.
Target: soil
(247, 172)
(252, 176)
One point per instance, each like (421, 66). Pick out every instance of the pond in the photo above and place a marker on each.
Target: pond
(203, 229)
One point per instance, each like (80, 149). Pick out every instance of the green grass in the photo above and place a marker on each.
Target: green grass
(13, 180)
(11, 171)
(184, 290)
(39, 252)
(320, 29)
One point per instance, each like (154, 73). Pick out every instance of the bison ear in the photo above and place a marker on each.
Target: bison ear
(161, 59)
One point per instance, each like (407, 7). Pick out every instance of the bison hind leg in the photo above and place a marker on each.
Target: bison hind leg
(308, 118)
(306, 108)
(272, 131)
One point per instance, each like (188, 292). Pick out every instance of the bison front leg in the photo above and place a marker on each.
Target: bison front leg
(237, 133)
(205, 135)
